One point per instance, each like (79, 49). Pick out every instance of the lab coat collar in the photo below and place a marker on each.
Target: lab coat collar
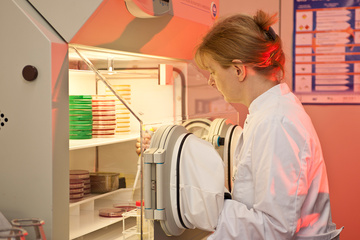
(263, 100)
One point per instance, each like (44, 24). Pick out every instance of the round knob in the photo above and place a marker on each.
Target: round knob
(30, 73)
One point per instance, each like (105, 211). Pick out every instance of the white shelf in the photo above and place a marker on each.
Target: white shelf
(89, 221)
(94, 142)
(84, 215)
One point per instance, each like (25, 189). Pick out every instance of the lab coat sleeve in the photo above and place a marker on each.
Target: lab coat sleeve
(277, 160)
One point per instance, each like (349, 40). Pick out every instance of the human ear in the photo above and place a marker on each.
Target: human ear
(240, 71)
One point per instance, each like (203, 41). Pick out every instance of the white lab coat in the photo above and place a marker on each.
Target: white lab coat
(280, 182)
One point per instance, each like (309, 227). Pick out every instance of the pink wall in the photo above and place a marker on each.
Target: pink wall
(338, 128)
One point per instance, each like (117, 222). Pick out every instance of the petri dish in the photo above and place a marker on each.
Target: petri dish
(76, 195)
(104, 114)
(80, 131)
(81, 112)
(80, 117)
(103, 118)
(74, 181)
(76, 190)
(104, 122)
(86, 102)
(103, 131)
(86, 180)
(80, 106)
(80, 134)
(79, 137)
(112, 212)
(104, 127)
(106, 108)
(79, 174)
(123, 206)
(80, 122)
(80, 127)
(81, 97)
(77, 185)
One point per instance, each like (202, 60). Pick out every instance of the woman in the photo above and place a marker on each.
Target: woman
(280, 183)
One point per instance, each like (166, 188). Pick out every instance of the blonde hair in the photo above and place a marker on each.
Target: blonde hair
(249, 39)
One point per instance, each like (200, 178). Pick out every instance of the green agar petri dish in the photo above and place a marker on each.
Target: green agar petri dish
(79, 132)
(81, 122)
(79, 101)
(80, 106)
(81, 112)
(80, 136)
(81, 127)
(80, 117)
(71, 97)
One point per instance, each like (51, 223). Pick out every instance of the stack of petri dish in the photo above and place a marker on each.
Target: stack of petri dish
(87, 186)
(122, 113)
(79, 184)
(104, 116)
(80, 116)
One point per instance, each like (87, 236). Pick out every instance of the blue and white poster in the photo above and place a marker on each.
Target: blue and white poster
(326, 51)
